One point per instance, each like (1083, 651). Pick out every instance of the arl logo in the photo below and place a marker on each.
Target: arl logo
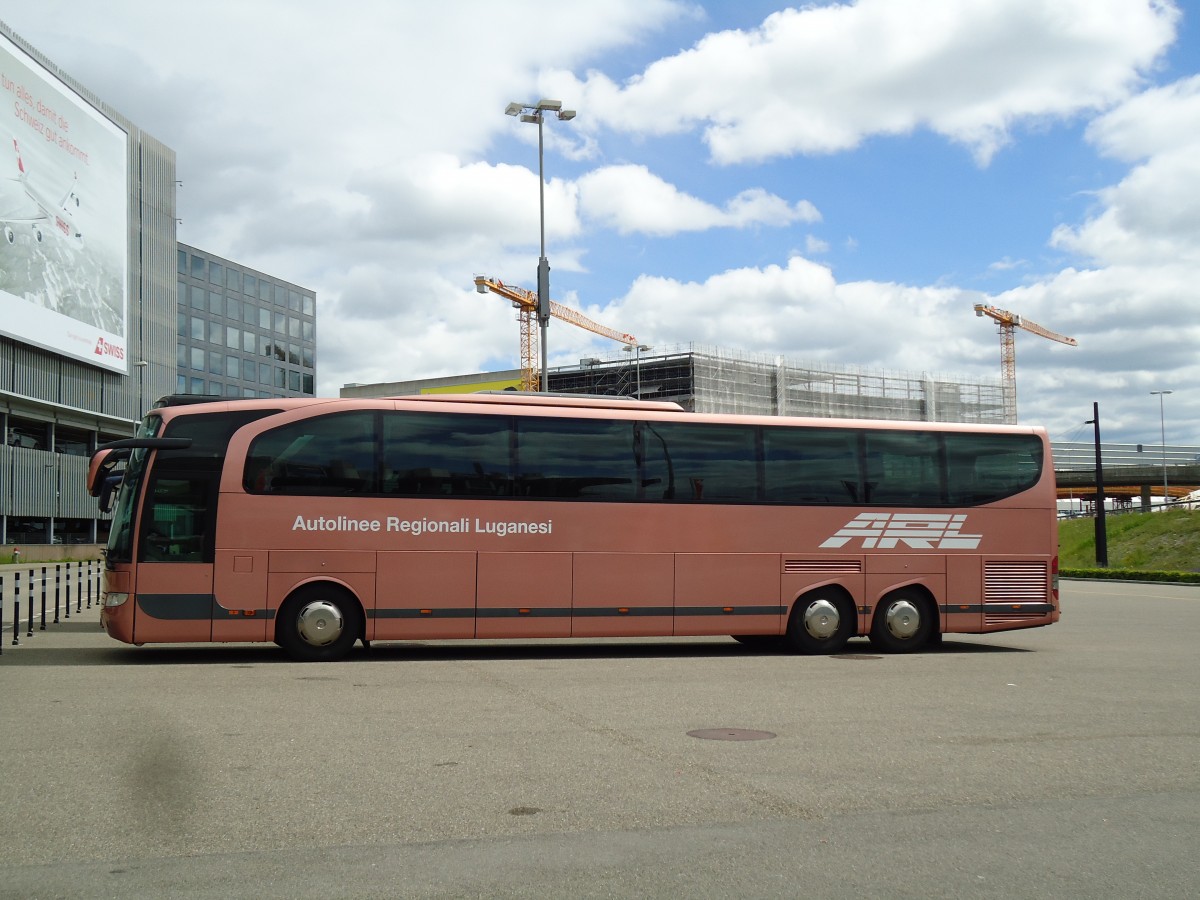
(919, 531)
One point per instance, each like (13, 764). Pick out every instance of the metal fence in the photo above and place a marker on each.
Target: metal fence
(35, 597)
(1082, 455)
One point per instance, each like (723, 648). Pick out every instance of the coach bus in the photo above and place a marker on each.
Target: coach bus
(316, 523)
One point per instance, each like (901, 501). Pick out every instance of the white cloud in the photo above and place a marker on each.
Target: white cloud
(631, 199)
(367, 175)
(1006, 264)
(822, 79)
(777, 309)
(1153, 215)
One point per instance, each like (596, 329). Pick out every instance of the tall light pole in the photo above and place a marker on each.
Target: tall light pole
(636, 350)
(1162, 424)
(140, 365)
(534, 112)
(1101, 526)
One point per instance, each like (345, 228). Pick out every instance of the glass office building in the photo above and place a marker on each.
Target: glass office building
(242, 333)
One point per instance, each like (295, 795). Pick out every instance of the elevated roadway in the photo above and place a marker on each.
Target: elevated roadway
(1129, 469)
(1187, 477)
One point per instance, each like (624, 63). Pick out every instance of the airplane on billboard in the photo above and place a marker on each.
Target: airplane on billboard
(48, 212)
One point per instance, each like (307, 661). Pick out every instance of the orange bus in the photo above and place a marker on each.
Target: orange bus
(316, 523)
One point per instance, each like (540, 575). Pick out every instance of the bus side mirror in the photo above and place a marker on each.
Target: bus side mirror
(108, 490)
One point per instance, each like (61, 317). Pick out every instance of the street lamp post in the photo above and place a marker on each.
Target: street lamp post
(636, 350)
(1101, 526)
(1162, 424)
(534, 112)
(141, 365)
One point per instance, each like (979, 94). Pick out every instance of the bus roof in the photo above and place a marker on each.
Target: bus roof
(588, 405)
(532, 398)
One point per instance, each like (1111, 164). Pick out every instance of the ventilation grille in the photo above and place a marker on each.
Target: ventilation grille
(822, 566)
(1015, 582)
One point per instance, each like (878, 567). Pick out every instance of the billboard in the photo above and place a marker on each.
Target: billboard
(64, 260)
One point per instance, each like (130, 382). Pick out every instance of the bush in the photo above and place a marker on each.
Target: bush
(1132, 575)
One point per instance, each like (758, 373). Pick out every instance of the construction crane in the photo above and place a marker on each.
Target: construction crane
(1009, 322)
(525, 302)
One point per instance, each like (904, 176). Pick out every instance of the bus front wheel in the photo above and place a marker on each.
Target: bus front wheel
(904, 622)
(821, 622)
(319, 624)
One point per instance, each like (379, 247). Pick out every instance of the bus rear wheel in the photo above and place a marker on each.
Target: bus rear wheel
(904, 622)
(821, 622)
(318, 625)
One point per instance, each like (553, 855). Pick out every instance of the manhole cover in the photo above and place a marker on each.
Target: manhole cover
(856, 656)
(731, 734)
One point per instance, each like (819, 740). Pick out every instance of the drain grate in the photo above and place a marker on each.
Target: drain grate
(856, 656)
(731, 734)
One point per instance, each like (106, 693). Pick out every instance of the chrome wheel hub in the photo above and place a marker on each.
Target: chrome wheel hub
(903, 619)
(821, 619)
(320, 623)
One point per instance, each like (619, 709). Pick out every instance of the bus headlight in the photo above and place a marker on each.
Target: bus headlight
(115, 598)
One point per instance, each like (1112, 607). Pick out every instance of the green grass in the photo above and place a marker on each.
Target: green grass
(1151, 546)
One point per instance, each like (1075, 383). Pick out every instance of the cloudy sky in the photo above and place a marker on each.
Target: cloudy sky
(835, 182)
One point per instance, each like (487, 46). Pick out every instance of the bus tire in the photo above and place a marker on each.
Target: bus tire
(821, 622)
(319, 623)
(904, 622)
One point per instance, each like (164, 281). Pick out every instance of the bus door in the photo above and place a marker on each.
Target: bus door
(173, 586)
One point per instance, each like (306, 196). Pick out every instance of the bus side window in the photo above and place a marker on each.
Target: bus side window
(983, 468)
(444, 454)
(701, 462)
(576, 459)
(904, 469)
(260, 474)
(177, 520)
(811, 466)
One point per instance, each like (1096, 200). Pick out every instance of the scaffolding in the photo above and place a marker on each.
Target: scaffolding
(716, 380)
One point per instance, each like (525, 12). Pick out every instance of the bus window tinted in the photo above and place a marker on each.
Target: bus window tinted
(583, 459)
(450, 455)
(178, 520)
(804, 465)
(986, 467)
(332, 454)
(903, 469)
(713, 463)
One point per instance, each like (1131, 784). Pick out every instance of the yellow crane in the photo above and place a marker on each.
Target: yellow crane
(525, 302)
(1009, 322)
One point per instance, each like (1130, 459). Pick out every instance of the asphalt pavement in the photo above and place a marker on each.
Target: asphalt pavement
(1053, 762)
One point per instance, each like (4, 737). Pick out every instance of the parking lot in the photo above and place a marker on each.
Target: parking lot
(1053, 762)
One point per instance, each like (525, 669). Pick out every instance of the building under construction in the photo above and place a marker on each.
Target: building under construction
(714, 380)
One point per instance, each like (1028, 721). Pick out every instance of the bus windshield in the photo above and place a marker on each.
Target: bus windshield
(120, 536)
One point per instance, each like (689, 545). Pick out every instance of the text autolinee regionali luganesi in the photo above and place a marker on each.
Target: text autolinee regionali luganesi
(417, 527)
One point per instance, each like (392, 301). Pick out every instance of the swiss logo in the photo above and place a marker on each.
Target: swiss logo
(917, 531)
(104, 348)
